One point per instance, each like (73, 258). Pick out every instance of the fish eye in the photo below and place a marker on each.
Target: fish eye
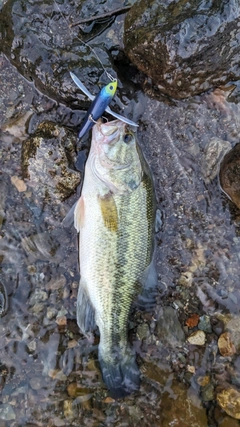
(127, 137)
(111, 87)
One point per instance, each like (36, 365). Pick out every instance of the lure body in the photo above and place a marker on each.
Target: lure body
(99, 105)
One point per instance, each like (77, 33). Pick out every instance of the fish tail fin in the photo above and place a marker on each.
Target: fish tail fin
(120, 373)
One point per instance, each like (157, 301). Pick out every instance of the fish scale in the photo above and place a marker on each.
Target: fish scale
(115, 217)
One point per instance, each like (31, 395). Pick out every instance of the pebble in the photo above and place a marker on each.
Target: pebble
(38, 296)
(68, 408)
(61, 321)
(205, 324)
(19, 184)
(56, 283)
(51, 312)
(74, 390)
(6, 412)
(225, 345)
(203, 381)
(192, 321)
(229, 400)
(143, 331)
(208, 392)
(197, 338)
(36, 383)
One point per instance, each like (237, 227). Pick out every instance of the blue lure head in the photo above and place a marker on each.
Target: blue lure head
(98, 106)
(109, 90)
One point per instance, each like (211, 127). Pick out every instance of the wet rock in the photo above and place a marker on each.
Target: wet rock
(6, 412)
(197, 338)
(182, 408)
(225, 345)
(229, 174)
(214, 154)
(229, 400)
(45, 162)
(172, 42)
(169, 329)
(38, 40)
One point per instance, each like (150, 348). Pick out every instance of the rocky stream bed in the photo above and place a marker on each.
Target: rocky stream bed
(188, 348)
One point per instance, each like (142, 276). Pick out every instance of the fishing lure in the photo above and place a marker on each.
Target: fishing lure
(99, 105)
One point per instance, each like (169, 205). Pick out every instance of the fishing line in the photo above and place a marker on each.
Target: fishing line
(111, 78)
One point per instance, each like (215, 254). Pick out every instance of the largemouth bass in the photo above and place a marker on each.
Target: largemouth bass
(115, 217)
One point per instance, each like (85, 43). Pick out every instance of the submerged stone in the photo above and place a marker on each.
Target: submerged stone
(197, 338)
(214, 154)
(6, 412)
(185, 47)
(225, 345)
(229, 400)
(169, 329)
(182, 408)
(229, 174)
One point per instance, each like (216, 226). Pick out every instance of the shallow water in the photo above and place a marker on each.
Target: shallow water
(49, 371)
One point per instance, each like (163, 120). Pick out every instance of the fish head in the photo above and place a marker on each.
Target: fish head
(114, 156)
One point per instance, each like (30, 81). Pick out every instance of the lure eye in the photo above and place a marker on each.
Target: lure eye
(127, 138)
(111, 87)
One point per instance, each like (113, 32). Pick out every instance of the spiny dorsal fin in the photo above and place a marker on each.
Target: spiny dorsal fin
(109, 212)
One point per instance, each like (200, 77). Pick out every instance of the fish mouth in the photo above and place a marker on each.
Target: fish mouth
(111, 130)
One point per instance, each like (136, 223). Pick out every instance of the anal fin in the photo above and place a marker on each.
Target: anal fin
(149, 282)
(85, 312)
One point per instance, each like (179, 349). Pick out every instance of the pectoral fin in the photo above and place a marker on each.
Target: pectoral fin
(109, 212)
(79, 214)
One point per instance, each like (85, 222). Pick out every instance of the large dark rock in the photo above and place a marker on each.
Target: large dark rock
(185, 47)
(37, 39)
(229, 175)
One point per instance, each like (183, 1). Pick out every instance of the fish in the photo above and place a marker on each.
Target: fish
(115, 217)
(99, 105)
